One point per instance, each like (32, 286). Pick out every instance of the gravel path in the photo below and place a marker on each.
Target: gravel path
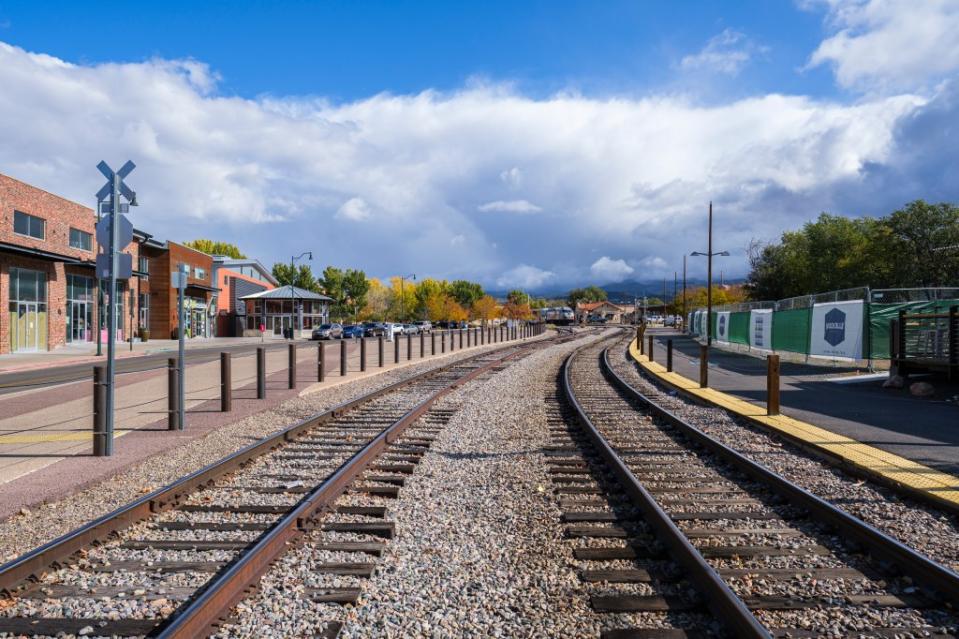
(924, 528)
(35, 526)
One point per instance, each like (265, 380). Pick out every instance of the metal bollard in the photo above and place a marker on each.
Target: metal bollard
(380, 349)
(422, 344)
(291, 366)
(320, 362)
(260, 372)
(639, 340)
(443, 341)
(226, 383)
(669, 356)
(362, 354)
(452, 341)
(173, 393)
(482, 336)
(461, 339)
(343, 366)
(396, 349)
(650, 347)
(99, 411)
(703, 366)
(432, 343)
(409, 347)
(772, 385)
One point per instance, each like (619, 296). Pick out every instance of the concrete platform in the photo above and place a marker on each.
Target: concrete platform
(888, 434)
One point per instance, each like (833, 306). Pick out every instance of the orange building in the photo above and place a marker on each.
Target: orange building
(237, 278)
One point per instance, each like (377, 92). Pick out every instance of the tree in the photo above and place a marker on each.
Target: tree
(215, 247)
(355, 288)
(515, 311)
(301, 277)
(485, 309)
(453, 311)
(923, 241)
(403, 299)
(436, 306)
(588, 294)
(517, 296)
(465, 292)
(377, 302)
(425, 290)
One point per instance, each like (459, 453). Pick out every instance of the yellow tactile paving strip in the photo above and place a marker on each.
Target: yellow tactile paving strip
(888, 467)
(32, 438)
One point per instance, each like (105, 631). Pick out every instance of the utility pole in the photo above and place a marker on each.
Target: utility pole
(684, 291)
(709, 277)
(182, 275)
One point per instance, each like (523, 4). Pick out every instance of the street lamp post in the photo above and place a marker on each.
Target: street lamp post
(709, 277)
(403, 278)
(293, 315)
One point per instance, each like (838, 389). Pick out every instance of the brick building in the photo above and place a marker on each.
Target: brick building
(48, 287)
(200, 296)
(237, 278)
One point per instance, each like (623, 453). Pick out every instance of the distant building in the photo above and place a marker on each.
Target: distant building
(237, 278)
(200, 295)
(614, 313)
(276, 309)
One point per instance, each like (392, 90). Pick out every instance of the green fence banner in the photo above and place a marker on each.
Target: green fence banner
(881, 314)
(739, 328)
(791, 330)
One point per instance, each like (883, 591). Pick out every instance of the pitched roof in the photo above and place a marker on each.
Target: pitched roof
(286, 293)
(591, 306)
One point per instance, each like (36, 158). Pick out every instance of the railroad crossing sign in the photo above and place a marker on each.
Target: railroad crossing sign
(108, 173)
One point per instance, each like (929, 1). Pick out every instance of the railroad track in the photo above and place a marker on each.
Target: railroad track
(175, 562)
(679, 535)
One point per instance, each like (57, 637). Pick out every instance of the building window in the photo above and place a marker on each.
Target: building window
(199, 273)
(29, 225)
(144, 265)
(145, 310)
(80, 303)
(81, 240)
(28, 310)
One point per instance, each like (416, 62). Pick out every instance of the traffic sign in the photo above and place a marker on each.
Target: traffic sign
(106, 208)
(124, 266)
(124, 233)
(178, 279)
(108, 173)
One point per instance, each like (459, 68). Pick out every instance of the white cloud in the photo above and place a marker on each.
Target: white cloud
(457, 239)
(890, 45)
(619, 176)
(511, 206)
(727, 52)
(525, 276)
(609, 270)
(354, 209)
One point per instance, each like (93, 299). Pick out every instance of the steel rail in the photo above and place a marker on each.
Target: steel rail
(14, 572)
(880, 545)
(221, 594)
(720, 599)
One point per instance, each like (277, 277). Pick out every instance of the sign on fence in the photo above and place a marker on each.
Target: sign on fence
(837, 330)
(761, 328)
(722, 326)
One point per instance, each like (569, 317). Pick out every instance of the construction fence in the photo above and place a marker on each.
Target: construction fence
(848, 324)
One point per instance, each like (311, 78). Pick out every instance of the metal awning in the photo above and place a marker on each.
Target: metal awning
(203, 287)
(41, 254)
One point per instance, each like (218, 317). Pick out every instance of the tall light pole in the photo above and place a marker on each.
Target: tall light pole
(294, 315)
(709, 277)
(684, 293)
(403, 278)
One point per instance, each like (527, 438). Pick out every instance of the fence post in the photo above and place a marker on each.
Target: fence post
(649, 347)
(321, 362)
(363, 354)
(461, 339)
(772, 384)
(432, 343)
(422, 344)
(343, 358)
(452, 341)
(291, 365)
(469, 335)
(173, 393)
(443, 341)
(260, 372)
(669, 356)
(409, 347)
(380, 349)
(396, 349)
(99, 411)
(226, 383)
(703, 366)
(893, 346)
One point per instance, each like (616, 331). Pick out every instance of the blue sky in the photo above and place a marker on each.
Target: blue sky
(531, 144)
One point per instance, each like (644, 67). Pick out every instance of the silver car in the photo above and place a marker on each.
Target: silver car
(328, 331)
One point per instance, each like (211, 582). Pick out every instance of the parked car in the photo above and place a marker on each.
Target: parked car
(410, 329)
(397, 328)
(353, 330)
(596, 319)
(424, 326)
(374, 329)
(328, 331)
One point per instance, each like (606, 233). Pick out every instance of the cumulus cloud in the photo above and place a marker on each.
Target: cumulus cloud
(525, 276)
(511, 206)
(727, 52)
(609, 270)
(625, 176)
(354, 209)
(890, 44)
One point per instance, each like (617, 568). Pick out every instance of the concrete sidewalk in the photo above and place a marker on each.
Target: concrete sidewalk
(921, 430)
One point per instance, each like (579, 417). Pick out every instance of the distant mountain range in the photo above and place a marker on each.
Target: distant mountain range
(625, 291)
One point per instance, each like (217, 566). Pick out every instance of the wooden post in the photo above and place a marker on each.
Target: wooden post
(443, 342)
(469, 337)
(362, 354)
(422, 344)
(226, 383)
(703, 366)
(260, 372)
(99, 411)
(461, 339)
(432, 343)
(320, 362)
(291, 366)
(409, 347)
(649, 347)
(380, 347)
(343, 365)
(639, 340)
(669, 356)
(452, 341)
(396, 348)
(772, 385)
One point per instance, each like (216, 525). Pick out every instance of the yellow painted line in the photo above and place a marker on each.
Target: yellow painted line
(886, 465)
(35, 438)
